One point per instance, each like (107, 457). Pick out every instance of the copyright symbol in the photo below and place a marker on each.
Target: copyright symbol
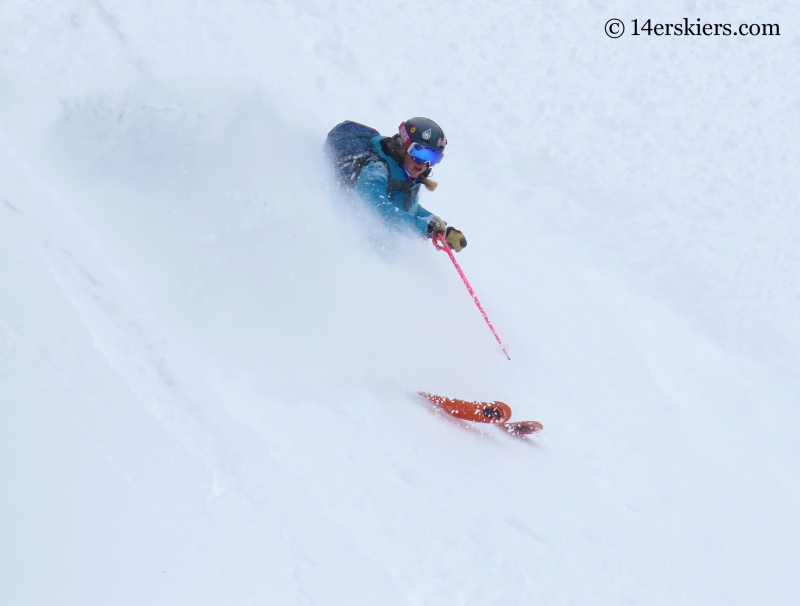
(614, 28)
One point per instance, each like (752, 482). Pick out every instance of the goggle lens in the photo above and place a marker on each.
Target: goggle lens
(424, 154)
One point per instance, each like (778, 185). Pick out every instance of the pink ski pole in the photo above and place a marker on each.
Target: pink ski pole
(439, 243)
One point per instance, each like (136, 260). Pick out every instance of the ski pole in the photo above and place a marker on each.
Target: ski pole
(439, 243)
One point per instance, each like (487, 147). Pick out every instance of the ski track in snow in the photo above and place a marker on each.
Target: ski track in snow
(208, 363)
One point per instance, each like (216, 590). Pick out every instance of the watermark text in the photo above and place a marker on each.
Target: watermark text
(615, 28)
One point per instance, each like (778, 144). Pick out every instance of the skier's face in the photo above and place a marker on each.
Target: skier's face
(413, 168)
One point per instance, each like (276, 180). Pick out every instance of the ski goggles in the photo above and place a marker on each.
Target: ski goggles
(425, 155)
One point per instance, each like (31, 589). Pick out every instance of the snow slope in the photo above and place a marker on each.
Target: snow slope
(207, 357)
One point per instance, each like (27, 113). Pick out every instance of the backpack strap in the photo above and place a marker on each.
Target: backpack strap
(398, 180)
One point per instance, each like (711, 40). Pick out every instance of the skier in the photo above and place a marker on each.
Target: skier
(387, 172)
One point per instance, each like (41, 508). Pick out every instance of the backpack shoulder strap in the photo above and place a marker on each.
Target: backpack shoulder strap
(398, 180)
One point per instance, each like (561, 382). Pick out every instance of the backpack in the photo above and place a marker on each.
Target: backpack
(349, 148)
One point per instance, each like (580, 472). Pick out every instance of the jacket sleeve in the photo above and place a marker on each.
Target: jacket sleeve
(371, 187)
(423, 213)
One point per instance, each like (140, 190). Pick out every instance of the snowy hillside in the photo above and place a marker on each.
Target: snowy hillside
(207, 359)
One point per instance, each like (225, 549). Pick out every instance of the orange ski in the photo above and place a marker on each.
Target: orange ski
(497, 413)
(522, 428)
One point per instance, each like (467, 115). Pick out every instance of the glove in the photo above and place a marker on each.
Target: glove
(455, 239)
(436, 225)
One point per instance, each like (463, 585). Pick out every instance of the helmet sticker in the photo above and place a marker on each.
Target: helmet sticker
(412, 130)
(427, 134)
(441, 142)
(403, 134)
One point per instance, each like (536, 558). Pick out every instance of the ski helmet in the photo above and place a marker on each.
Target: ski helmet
(423, 139)
(423, 131)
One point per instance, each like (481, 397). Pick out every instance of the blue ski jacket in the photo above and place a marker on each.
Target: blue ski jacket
(387, 187)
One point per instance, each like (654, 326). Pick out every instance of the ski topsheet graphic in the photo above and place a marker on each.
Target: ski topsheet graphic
(496, 413)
